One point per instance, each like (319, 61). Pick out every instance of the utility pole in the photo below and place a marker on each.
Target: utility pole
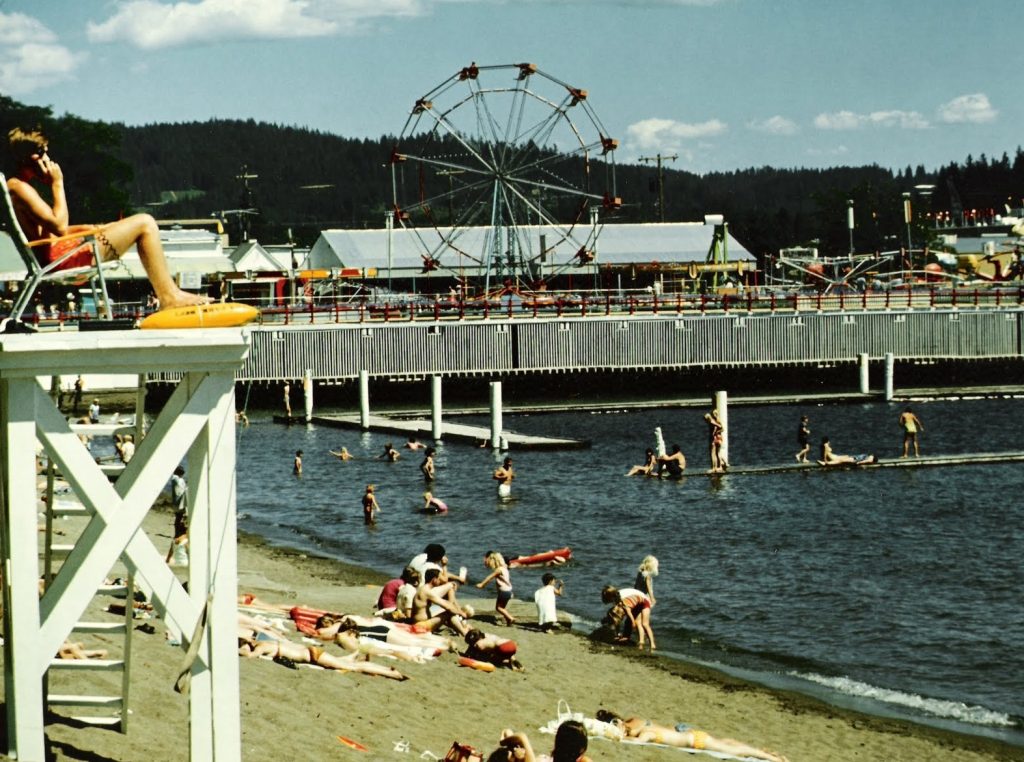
(661, 180)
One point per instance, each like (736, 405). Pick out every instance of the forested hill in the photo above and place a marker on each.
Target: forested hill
(303, 181)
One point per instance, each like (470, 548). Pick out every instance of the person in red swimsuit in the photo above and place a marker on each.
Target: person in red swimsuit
(42, 220)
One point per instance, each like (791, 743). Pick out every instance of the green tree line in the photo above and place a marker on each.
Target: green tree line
(299, 181)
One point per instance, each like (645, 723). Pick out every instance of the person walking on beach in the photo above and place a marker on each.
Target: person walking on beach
(910, 424)
(502, 580)
(803, 438)
(504, 476)
(178, 552)
(370, 506)
(427, 466)
(297, 463)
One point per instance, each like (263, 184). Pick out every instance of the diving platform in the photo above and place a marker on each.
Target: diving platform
(969, 459)
(460, 432)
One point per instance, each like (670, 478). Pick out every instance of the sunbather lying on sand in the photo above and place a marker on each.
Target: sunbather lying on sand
(394, 633)
(302, 654)
(683, 737)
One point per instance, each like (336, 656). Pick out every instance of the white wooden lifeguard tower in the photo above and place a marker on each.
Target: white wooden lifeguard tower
(198, 423)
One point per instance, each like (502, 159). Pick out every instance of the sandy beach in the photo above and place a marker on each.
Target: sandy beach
(300, 713)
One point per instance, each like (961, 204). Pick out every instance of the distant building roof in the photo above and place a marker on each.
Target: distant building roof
(674, 242)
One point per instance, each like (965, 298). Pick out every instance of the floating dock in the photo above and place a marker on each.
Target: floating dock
(415, 427)
(971, 459)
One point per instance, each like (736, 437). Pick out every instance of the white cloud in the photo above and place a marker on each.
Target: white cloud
(31, 57)
(849, 120)
(774, 125)
(668, 134)
(839, 150)
(150, 25)
(968, 109)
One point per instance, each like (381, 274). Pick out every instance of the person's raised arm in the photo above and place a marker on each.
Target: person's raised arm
(483, 583)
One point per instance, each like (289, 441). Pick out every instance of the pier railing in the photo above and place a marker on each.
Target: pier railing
(331, 309)
(499, 346)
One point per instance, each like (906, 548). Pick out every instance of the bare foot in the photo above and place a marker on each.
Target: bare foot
(182, 299)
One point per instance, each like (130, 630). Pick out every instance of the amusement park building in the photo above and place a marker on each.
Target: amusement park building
(627, 247)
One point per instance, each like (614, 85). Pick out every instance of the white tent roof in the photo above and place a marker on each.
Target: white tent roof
(679, 242)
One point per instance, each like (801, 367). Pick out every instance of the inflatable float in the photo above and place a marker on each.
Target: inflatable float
(483, 666)
(548, 558)
(214, 315)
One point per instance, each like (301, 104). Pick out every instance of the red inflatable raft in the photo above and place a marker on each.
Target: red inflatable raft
(549, 558)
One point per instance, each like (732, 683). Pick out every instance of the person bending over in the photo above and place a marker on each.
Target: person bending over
(501, 652)
(683, 737)
(48, 220)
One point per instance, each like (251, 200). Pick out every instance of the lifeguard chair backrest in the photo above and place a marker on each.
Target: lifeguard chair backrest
(16, 258)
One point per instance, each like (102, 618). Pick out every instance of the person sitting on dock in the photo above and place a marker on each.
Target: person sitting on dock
(829, 458)
(648, 467)
(672, 464)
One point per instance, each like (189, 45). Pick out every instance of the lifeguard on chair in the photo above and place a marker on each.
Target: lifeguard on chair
(58, 246)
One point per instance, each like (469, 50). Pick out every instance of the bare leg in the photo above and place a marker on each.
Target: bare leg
(739, 749)
(141, 230)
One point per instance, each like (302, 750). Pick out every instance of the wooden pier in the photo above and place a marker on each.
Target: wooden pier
(415, 427)
(971, 459)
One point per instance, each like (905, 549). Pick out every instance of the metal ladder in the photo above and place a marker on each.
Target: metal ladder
(109, 705)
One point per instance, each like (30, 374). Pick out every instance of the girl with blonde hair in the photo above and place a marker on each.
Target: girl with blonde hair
(502, 580)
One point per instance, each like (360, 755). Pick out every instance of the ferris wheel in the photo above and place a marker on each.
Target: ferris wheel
(501, 174)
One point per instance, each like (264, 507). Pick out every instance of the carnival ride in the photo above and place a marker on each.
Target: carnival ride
(498, 168)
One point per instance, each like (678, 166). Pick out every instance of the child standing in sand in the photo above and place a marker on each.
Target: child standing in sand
(503, 580)
(547, 612)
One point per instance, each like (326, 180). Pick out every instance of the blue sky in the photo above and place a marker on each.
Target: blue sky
(724, 84)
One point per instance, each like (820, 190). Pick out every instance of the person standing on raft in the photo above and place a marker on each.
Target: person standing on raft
(41, 220)
(910, 424)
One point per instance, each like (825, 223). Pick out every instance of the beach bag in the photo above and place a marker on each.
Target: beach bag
(461, 752)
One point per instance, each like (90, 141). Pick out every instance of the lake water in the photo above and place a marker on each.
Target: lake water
(891, 591)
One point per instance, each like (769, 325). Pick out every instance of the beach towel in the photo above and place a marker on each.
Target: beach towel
(609, 732)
